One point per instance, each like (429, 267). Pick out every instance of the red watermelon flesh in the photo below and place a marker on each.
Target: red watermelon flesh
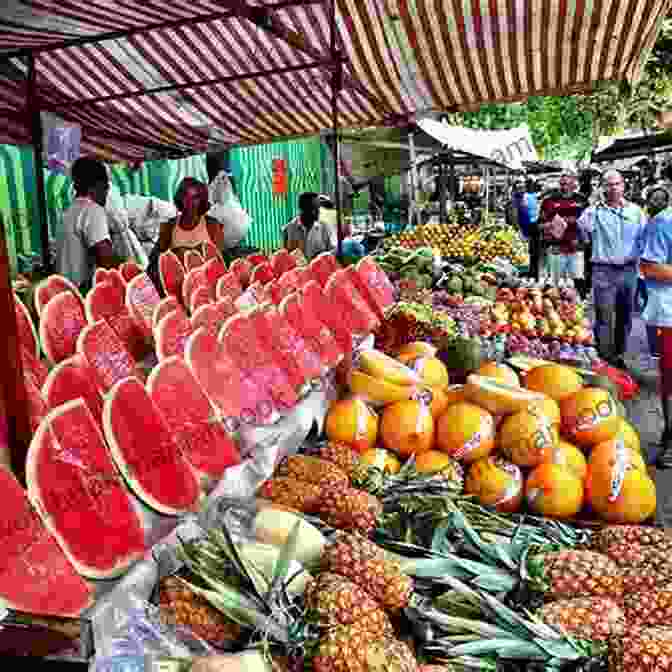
(373, 284)
(228, 388)
(262, 273)
(192, 259)
(25, 328)
(171, 334)
(63, 320)
(273, 292)
(107, 356)
(49, 287)
(171, 274)
(347, 302)
(199, 297)
(207, 317)
(323, 267)
(228, 287)
(256, 259)
(165, 306)
(73, 379)
(214, 270)
(129, 269)
(242, 269)
(154, 469)
(193, 280)
(225, 309)
(80, 495)
(100, 275)
(37, 406)
(210, 251)
(313, 299)
(242, 344)
(115, 278)
(317, 335)
(35, 575)
(141, 299)
(33, 368)
(281, 262)
(192, 419)
(298, 356)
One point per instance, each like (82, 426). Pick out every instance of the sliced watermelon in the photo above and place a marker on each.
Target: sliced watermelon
(192, 281)
(256, 259)
(192, 419)
(273, 292)
(192, 259)
(165, 306)
(154, 469)
(215, 268)
(208, 317)
(25, 328)
(37, 406)
(63, 320)
(225, 309)
(79, 495)
(72, 379)
(242, 269)
(34, 368)
(281, 262)
(114, 277)
(228, 287)
(262, 273)
(199, 297)
(374, 285)
(129, 269)
(171, 334)
(141, 299)
(106, 354)
(49, 287)
(322, 267)
(171, 274)
(314, 300)
(317, 335)
(100, 275)
(210, 251)
(348, 303)
(35, 575)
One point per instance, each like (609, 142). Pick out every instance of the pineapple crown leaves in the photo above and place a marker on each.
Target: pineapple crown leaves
(282, 566)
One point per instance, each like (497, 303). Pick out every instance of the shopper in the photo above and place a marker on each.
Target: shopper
(528, 222)
(560, 211)
(85, 242)
(615, 228)
(656, 267)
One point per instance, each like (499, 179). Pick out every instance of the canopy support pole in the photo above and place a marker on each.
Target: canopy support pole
(13, 396)
(336, 87)
(37, 133)
(442, 192)
(412, 206)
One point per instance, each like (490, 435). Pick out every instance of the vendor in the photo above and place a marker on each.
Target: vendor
(306, 232)
(86, 242)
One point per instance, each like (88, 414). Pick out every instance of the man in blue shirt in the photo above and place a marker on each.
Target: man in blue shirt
(615, 228)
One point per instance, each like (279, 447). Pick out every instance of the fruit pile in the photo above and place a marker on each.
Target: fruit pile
(414, 267)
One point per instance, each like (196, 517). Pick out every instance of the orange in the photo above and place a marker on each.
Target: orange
(590, 417)
(352, 422)
(550, 408)
(554, 380)
(526, 438)
(440, 400)
(407, 428)
(554, 491)
(381, 459)
(495, 482)
(500, 372)
(466, 432)
(417, 348)
(433, 461)
(568, 455)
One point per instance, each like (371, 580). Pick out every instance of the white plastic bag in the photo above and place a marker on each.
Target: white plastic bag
(227, 210)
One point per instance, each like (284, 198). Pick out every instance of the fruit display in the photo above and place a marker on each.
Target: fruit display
(408, 267)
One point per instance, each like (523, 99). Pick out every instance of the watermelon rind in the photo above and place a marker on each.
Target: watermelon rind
(159, 333)
(40, 289)
(138, 311)
(51, 312)
(163, 307)
(35, 345)
(118, 456)
(129, 269)
(193, 259)
(100, 276)
(36, 499)
(93, 295)
(76, 361)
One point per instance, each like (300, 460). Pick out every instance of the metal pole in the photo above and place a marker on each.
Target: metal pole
(336, 86)
(37, 133)
(414, 178)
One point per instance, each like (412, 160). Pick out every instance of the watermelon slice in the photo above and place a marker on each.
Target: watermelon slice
(257, 258)
(225, 309)
(214, 270)
(300, 258)
(25, 328)
(317, 335)
(228, 287)
(242, 269)
(100, 275)
(129, 269)
(163, 307)
(35, 575)
(77, 491)
(348, 303)
(281, 262)
(192, 259)
(37, 406)
(232, 393)
(199, 297)
(34, 368)
(322, 267)
(192, 419)
(171, 334)
(314, 300)
(262, 273)
(193, 280)
(106, 354)
(63, 320)
(374, 285)
(273, 292)
(243, 345)
(155, 470)
(208, 317)
(73, 379)
(49, 287)
(210, 251)
(171, 274)
(141, 299)
(115, 278)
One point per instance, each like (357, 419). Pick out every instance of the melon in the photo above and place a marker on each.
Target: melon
(77, 491)
(209, 317)
(215, 268)
(496, 483)
(171, 273)
(141, 299)
(590, 417)
(192, 280)
(62, 322)
(554, 491)
(257, 258)
(225, 309)
(192, 259)
(242, 269)
(114, 278)
(501, 372)
(382, 366)
(171, 334)
(73, 379)
(497, 397)
(210, 251)
(37, 406)
(466, 432)
(526, 438)
(554, 380)
(199, 297)
(228, 287)
(281, 262)
(100, 275)
(374, 285)
(36, 577)
(192, 419)
(352, 422)
(262, 273)
(322, 267)
(407, 428)
(314, 300)
(416, 349)
(49, 287)
(33, 368)
(25, 328)
(129, 269)
(349, 305)
(165, 306)
(154, 469)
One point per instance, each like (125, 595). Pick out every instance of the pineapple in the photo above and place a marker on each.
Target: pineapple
(341, 454)
(642, 579)
(642, 650)
(292, 493)
(651, 608)
(365, 564)
(313, 470)
(349, 509)
(628, 554)
(629, 534)
(589, 618)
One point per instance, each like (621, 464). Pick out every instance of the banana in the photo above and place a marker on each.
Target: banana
(378, 391)
(381, 366)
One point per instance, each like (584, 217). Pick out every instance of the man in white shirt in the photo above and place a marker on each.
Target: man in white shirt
(85, 242)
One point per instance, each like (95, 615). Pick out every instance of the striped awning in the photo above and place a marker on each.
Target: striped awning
(156, 78)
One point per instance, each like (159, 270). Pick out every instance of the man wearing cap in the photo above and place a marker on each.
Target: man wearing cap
(615, 228)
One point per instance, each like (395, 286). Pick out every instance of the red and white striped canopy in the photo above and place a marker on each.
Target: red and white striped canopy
(249, 71)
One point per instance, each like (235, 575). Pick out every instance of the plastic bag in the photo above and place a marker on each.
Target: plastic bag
(227, 210)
